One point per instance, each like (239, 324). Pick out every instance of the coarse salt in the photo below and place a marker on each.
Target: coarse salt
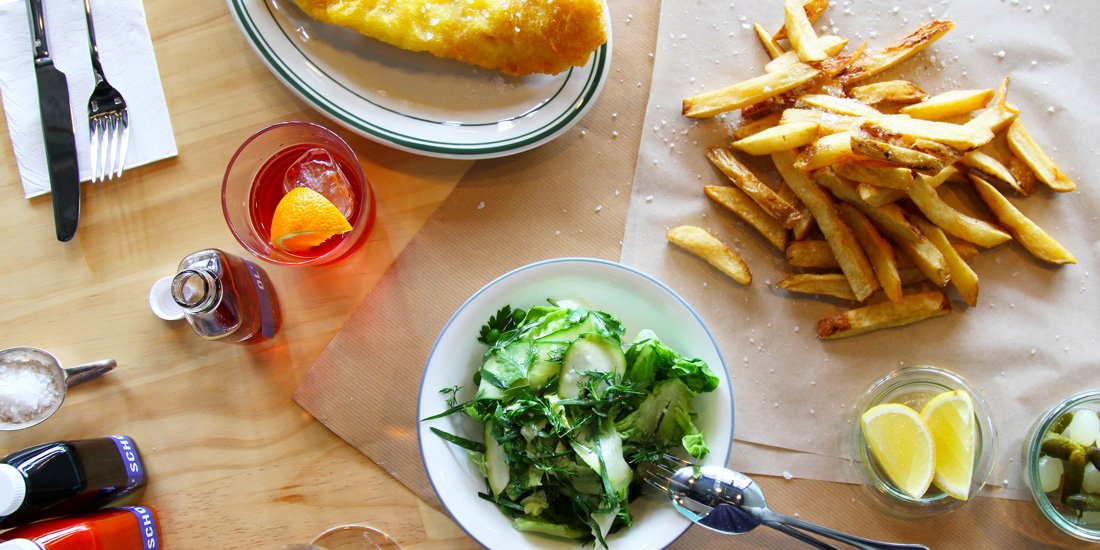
(27, 390)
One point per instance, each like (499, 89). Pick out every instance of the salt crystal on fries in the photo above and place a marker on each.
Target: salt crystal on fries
(701, 243)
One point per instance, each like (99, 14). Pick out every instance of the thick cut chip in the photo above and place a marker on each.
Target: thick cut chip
(879, 61)
(771, 46)
(891, 91)
(820, 284)
(830, 43)
(1026, 182)
(748, 92)
(814, 9)
(771, 202)
(755, 126)
(998, 116)
(963, 277)
(893, 154)
(956, 223)
(892, 220)
(1019, 140)
(806, 223)
(988, 166)
(875, 195)
(801, 33)
(706, 246)
(779, 138)
(853, 261)
(517, 38)
(891, 177)
(956, 135)
(839, 105)
(827, 151)
(949, 104)
(828, 123)
(1028, 233)
(913, 308)
(745, 208)
(878, 250)
(812, 253)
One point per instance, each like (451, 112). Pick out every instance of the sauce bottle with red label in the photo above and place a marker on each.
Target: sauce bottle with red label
(223, 297)
(67, 477)
(130, 528)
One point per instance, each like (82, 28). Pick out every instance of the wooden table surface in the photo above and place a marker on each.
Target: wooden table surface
(232, 461)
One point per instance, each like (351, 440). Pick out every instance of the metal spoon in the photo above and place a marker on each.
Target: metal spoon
(62, 378)
(731, 502)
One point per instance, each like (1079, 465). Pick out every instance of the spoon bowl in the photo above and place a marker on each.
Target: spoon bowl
(730, 502)
(60, 378)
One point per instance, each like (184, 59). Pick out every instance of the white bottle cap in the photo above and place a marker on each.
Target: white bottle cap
(161, 302)
(20, 544)
(13, 488)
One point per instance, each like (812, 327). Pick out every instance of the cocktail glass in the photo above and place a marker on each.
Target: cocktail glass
(254, 184)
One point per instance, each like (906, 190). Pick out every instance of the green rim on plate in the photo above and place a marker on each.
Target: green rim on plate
(257, 20)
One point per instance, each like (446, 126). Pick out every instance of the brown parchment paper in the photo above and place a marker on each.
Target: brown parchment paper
(1032, 339)
(566, 198)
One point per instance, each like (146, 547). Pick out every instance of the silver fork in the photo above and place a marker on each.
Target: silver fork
(108, 120)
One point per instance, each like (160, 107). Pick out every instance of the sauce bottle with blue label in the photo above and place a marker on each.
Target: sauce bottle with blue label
(129, 528)
(222, 296)
(66, 477)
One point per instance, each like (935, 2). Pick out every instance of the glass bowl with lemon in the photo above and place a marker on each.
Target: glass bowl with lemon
(1061, 456)
(922, 441)
(295, 194)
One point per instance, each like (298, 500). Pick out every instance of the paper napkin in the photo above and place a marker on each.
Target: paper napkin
(126, 53)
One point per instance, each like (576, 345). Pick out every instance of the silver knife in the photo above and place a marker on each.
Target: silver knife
(57, 129)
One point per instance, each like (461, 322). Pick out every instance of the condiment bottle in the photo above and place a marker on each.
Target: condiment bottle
(130, 528)
(224, 297)
(66, 477)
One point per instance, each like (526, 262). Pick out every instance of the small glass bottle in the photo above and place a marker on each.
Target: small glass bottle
(222, 296)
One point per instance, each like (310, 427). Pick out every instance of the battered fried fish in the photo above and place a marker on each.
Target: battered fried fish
(516, 37)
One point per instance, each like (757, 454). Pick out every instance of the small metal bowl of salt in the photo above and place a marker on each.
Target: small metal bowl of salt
(33, 385)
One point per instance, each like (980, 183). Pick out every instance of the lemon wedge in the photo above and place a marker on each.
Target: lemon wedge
(950, 418)
(902, 445)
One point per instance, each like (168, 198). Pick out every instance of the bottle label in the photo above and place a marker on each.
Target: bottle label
(135, 471)
(148, 526)
(267, 318)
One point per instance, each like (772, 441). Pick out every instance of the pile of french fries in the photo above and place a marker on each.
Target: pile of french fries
(860, 163)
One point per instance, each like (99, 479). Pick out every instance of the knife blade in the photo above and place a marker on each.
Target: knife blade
(57, 129)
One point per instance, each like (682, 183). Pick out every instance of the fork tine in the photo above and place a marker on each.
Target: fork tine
(674, 462)
(116, 137)
(94, 138)
(104, 136)
(125, 121)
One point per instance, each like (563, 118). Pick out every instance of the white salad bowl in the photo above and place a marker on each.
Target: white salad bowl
(640, 302)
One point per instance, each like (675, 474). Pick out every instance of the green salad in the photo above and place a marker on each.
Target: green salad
(570, 412)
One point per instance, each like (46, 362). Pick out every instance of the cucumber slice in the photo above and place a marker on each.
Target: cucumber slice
(589, 353)
(547, 528)
(496, 468)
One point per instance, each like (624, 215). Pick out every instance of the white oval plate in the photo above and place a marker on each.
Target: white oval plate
(413, 100)
(639, 301)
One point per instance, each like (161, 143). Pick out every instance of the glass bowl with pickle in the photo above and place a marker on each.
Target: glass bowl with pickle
(1062, 465)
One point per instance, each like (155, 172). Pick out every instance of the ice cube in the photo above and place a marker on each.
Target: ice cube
(317, 170)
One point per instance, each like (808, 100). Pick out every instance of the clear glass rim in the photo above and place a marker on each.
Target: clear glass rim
(892, 500)
(374, 532)
(362, 223)
(1033, 449)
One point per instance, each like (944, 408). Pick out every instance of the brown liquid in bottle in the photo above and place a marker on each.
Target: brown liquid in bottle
(226, 297)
